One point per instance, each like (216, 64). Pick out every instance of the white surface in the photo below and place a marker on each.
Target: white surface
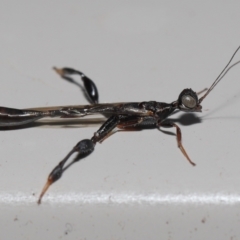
(135, 185)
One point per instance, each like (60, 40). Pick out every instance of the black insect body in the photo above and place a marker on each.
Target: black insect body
(122, 115)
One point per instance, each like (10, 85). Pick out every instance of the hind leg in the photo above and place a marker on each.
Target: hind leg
(86, 147)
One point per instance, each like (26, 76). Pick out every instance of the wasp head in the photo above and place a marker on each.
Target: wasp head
(188, 101)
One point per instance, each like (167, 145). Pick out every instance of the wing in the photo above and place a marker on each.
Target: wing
(16, 117)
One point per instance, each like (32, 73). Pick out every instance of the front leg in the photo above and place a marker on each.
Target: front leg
(168, 124)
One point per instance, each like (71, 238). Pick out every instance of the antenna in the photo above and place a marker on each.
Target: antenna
(220, 76)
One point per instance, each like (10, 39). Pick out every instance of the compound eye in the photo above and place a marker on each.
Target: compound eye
(188, 101)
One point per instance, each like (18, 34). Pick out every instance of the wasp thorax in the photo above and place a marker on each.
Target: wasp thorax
(188, 101)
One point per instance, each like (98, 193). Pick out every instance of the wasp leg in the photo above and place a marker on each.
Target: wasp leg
(127, 124)
(84, 148)
(168, 124)
(89, 86)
